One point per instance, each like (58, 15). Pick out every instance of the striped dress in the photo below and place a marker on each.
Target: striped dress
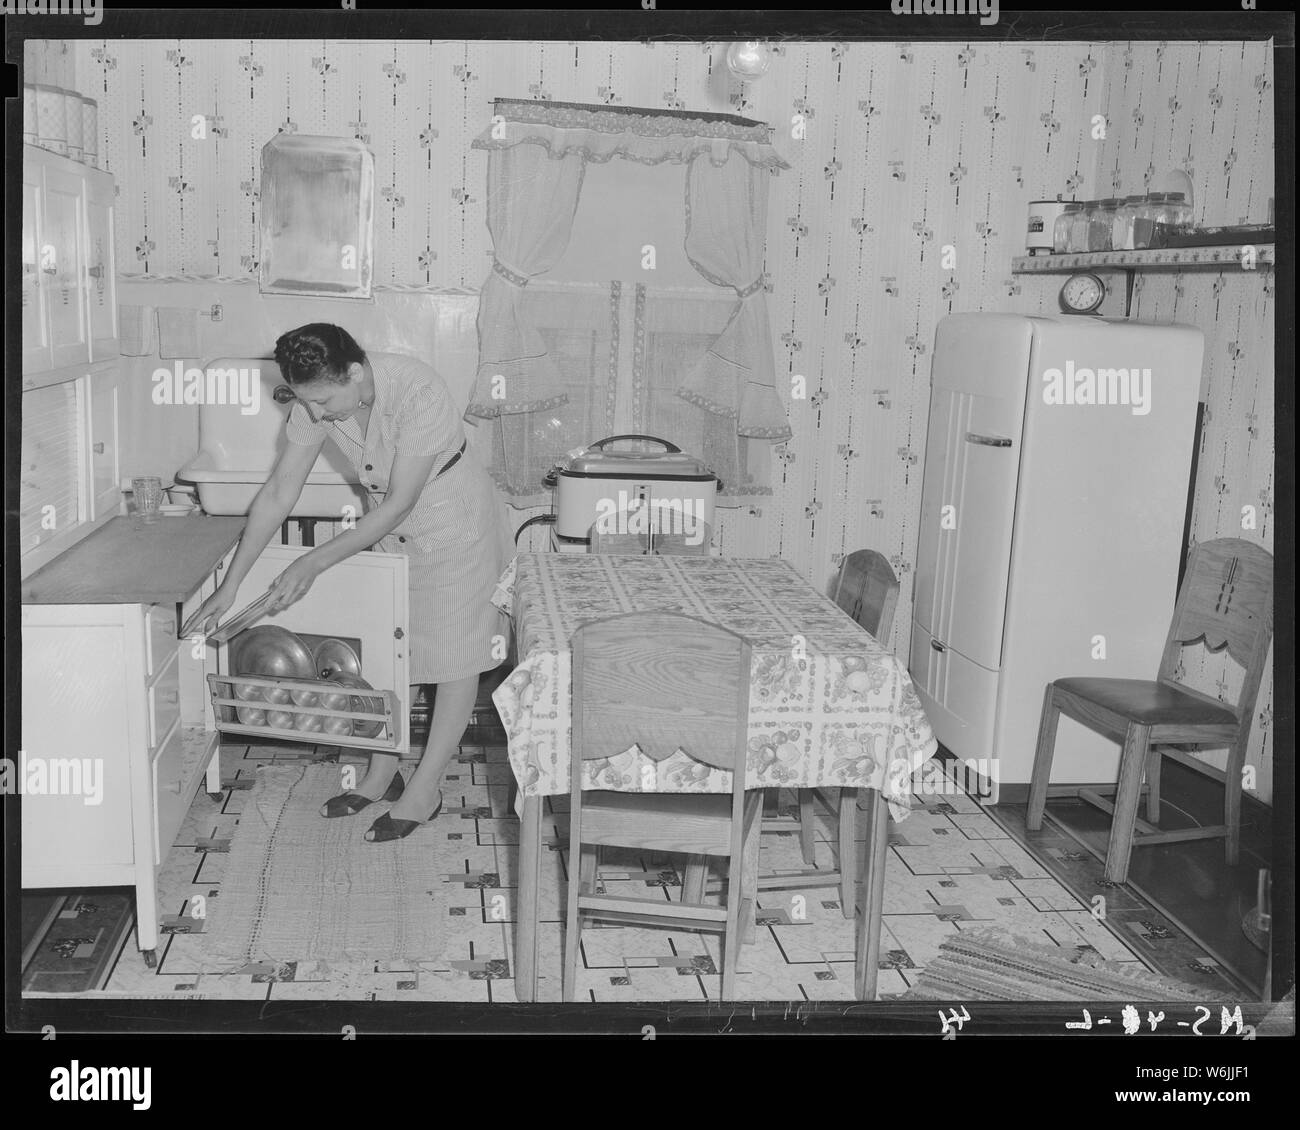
(454, 539)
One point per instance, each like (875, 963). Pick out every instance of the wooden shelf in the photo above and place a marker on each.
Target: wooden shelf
(1220, 257)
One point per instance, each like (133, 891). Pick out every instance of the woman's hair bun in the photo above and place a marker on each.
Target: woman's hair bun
(317, 352)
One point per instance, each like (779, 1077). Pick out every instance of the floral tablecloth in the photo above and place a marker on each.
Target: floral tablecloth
(829, 706)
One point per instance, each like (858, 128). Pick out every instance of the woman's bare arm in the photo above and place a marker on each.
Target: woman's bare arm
(272, 506)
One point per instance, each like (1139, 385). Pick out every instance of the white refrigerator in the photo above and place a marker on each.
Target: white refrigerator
(1052, 521)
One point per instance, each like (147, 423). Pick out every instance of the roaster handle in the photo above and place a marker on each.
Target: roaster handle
(599, 445)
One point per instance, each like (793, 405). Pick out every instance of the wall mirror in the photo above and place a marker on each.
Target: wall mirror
(317, 217)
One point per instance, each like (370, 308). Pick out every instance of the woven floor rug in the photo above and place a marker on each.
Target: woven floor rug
(995, 965)
(299, 887)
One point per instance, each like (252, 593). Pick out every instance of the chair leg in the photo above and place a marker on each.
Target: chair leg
(696, 878)
(848, 850)
(582, 870)
(1155, 762)
(807, 841)
(1132, 762)
(1043, 753)
(866, 965)
(749, 879)
(1232, 801)
(732, 938)
(572, 937)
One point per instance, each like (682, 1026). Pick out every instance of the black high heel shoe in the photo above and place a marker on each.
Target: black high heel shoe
(386, 828)
(349, 804)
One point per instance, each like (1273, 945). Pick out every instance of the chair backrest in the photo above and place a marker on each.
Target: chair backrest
(692, 541)
(624, 532)
(1227, 600)
(661, 681)
(867, 590)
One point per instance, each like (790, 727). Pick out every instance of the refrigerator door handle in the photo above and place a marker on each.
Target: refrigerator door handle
(987, 441)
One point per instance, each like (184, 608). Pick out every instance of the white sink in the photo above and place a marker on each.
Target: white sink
(238, 449)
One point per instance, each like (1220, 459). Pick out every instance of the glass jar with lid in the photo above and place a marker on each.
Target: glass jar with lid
(1063, 227)
(1079, 227)
(1162, 213)
(1100, 223)
(1121, 236)
(1179, 212)
(1144, 221)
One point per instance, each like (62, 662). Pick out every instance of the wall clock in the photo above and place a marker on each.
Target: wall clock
(1082, 294)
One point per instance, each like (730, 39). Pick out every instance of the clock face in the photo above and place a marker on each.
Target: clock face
(1082, 294)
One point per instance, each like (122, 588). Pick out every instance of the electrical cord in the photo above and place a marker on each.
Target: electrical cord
(539, 519)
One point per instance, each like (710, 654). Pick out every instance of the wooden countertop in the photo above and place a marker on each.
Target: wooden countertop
(129, 561)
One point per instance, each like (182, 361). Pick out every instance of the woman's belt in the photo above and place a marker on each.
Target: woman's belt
(453, 460)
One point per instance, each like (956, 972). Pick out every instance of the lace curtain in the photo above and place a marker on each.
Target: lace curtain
(564, 364)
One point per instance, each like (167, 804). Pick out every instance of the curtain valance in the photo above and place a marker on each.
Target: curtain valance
(600, 135)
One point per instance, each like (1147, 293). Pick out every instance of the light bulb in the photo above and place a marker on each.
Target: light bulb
(748, 61)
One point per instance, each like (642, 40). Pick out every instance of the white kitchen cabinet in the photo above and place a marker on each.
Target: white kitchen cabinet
(69, 292)
(89, 698)
(108, 687)
(71, 473)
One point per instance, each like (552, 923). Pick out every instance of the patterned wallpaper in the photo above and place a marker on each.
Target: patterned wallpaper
(905, 202)
(1207, 108)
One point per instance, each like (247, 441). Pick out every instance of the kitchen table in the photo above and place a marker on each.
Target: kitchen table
(829, 705)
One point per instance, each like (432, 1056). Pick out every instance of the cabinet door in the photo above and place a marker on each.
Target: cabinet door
(105, 458)
(361, 599)
(78, 728)
(53, 500)
(63, 269)
(36, 325)
(101, 273)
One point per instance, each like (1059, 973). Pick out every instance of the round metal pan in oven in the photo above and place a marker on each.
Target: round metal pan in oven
(334, 657)
(272, 651)
(368, 728)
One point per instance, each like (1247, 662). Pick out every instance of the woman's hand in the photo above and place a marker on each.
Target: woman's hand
(209, 614)
(293, 584)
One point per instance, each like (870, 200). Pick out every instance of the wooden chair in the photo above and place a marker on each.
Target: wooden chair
(624, 532)
(1227, 600)
(692, 541)
(660, 681)
(867, 590)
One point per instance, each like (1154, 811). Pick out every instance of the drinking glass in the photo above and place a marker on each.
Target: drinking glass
(147, 492)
